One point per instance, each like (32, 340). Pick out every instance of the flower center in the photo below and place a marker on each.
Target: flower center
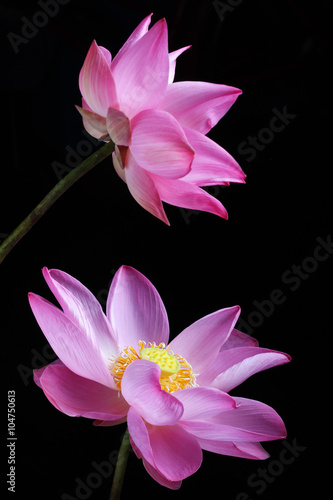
(167, 361)
(176, 372)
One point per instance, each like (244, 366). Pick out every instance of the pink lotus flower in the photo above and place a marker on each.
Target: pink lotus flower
(159, 127)
(121, 367)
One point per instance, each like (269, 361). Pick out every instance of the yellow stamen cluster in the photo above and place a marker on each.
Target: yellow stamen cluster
(176, 372)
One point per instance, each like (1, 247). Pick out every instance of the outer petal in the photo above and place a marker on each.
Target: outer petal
(239, 339)
(135, 309)
(198, 105)
(141, 72)
(138, 33)
(212, 164)
(233, 366)
(182, 194)
(83, 309)
(251, 421)
(176, 453)
(159, 144)
(70, 344)
(80, 397)
(203, 402)
(96, 81)
(244, 450)
(200, 343)
(172, 61)
(142, 187)
(118, 127)
(141, 388)
(94, 124)
(170, 450)
(159, 478)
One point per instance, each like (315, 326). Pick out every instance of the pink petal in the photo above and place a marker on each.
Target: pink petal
(198, 105)
(70, 344)
(233, 366)
(176, 453)
(251, 421)
(243, 450)
(142, 188)
(84, 310)
(135, 309)
(117, 161)
(139, 436)
(96, 81)
(138, 33)
(80, 397)
(141, 388)
(141, 71)
(200, 343)
(182, 194)
(254, 418)
(118, 127)
(203, 402)
(159, 478)
(172, 61)
(211, 164)
(239, 339)
(94, 124)
(159, 144)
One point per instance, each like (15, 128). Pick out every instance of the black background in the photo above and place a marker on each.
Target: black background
(276, 51)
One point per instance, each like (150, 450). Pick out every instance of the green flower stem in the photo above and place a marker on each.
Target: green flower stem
(119, 473)
(52, 196)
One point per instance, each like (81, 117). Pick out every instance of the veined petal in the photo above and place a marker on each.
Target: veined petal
(142, 188)
(81, 397)
(159, 144)
(243, 450)
(176, 453)
(141, 72)
(70, 344)
(172, 61)
(141, 388)
(200, 343)
(239, 339)
(135, 309)
(233, 366)
(203, 402)
(138, 33)
(96, 81)
(180, 193)
(159, 478)
(212, 164)
(84, 310)
(118, 127)
(254, 420)
(94, 124)
(139, 436)
(198, 105)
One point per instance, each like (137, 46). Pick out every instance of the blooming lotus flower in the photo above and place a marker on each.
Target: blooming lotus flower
(159, 127)
(174, 395)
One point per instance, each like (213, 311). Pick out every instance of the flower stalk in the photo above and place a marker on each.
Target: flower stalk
(53, 196)
(120, 467)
